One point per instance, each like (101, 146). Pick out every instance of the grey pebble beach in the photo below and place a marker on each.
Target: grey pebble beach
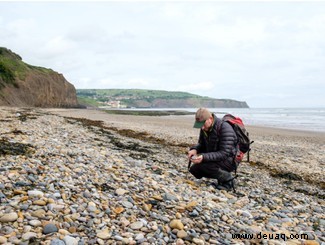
(73, 176)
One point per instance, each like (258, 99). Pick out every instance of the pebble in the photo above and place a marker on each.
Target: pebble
(105, 234)
(57, 242)
(50, 228)
(127, 204)
(177, 224)
(69, 240)
(35, 223)
(29, 235)
(89, 185)
(120, 192)
(181, 234)
(35, 193)
(9, 217)
(3, 240)
(198, 241)
(136, 225)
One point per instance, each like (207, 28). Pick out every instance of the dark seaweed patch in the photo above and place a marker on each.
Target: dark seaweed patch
(309, 192)
(14, 148)
(286, 175)
(27, 113)
(180, 148)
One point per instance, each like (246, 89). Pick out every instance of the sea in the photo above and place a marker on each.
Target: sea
(306, 119)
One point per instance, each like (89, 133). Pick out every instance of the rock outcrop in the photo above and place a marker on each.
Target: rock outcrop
(24, 85)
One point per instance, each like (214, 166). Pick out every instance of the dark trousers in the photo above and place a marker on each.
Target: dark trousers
(211, 170)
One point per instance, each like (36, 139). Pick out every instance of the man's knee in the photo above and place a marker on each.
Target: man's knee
(195, 172)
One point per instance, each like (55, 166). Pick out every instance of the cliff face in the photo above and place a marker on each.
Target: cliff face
(25, 85)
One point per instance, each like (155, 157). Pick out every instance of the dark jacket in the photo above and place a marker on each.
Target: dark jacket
(219, 145)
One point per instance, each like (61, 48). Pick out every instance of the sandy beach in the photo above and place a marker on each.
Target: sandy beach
(76, 176)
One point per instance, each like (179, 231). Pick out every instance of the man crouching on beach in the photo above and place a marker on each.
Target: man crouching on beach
(213, 156)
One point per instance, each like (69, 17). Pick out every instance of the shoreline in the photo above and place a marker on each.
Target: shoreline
(190, 112)
(180, 114)
(97, 114)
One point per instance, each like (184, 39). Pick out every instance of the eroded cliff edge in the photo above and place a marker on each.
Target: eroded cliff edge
(22, 84)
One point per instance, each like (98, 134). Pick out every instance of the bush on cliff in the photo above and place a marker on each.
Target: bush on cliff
(6, 76)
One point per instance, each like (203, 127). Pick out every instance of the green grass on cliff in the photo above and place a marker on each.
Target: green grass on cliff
(142, 98)
(12, 63)
(12, 68)
(6, 76)
(87, 102)
(140, 93)
(131, 97)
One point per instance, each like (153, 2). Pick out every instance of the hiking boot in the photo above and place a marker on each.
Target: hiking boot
(225, 181)
(227, 186)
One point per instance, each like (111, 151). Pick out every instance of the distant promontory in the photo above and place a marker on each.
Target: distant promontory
(141, 98)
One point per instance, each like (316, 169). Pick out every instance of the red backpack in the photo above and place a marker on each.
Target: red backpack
(242, 136)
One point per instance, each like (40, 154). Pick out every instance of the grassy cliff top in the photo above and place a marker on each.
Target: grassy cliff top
(12, 67)
(141, 93)
(143, 98)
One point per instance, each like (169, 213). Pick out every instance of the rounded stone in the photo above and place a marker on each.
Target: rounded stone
(69, 240)
(105, 234)
(57, 242)
(136, 225)
(35, 193)
(3, 240)
(181, 234)
(50, 228)
(29, 235)
(9, 217)
(127, 204)
(177, 224)
(120, 192)
(35, 223)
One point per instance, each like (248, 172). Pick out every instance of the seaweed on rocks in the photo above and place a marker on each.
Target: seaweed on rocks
(286, 175)
(310, 192)
(180, 148)
(85, 122)
(289, 177)
(23, 116)
(258, 164)
(137, 150)
(15, 132)
(15, 148)
(138, 155)
(5, 120)
(130, 146)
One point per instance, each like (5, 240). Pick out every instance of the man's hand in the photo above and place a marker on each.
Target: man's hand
(197, 159)
(193, 157)
(191, 153)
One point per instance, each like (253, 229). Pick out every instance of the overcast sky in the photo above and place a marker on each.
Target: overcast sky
(269, 53)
